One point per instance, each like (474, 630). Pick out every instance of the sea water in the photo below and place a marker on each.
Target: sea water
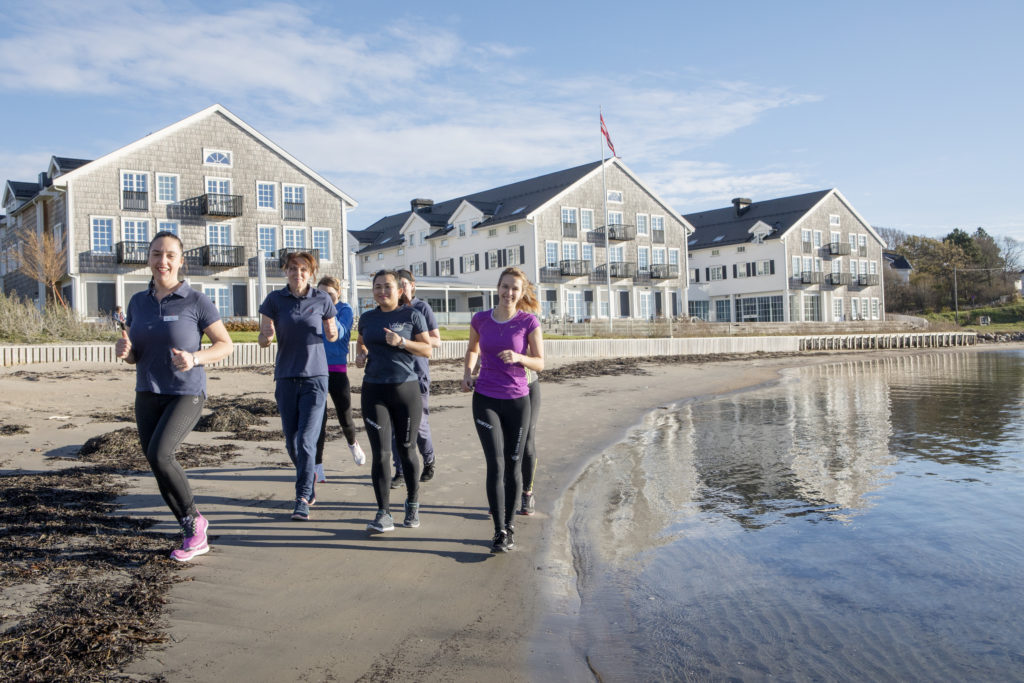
(858, 521)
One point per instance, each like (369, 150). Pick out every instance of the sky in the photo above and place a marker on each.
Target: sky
(913, 110)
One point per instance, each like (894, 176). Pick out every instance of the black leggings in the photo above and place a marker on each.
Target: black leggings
(530, 450)
(338, 388)
(164, 420)
(385, 405)
(501, 424)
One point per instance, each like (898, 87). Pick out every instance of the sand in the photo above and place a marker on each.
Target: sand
(322, 600)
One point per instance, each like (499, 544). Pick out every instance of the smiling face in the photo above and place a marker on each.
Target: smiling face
(298, 272)
(165, 260)
(386, 291)
(510, 290)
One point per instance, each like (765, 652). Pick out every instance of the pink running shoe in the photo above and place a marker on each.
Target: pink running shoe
(193, 529)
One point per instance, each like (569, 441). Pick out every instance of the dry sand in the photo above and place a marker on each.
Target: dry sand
(322, 600)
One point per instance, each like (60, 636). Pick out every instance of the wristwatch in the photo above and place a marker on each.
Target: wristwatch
(401, 343)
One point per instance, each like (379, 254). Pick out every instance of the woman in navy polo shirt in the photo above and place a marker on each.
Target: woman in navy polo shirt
(299, 313)
(164, 327)
(390, 336)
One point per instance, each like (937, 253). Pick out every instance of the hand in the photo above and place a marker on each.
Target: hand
(266, 332)
(392, 337)
(263, 340)
(509, 357)
(123, 346)
(182, 360)
(468, 382)
(360, 360)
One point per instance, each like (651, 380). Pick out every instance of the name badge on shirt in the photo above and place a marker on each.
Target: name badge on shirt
(170, 318)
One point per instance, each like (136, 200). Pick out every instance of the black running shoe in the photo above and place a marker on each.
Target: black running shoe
(428, 472)
(500, 543)
(397, 480)
(510, 534)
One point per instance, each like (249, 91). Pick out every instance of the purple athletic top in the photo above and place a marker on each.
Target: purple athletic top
(498, 379)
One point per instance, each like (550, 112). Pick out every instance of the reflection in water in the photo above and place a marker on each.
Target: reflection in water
(696, 559)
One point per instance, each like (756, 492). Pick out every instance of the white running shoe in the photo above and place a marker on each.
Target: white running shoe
(318, 474)
(357, 453)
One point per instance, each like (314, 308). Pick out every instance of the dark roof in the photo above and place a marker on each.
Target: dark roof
(66, 164)
(23, 190)
(780, 214)
(897, 261)
(498, 205)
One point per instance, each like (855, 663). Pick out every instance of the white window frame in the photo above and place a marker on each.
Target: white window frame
(125, 173)
(294, 189)
(469, 263)
(512, 256)
(643, 258)
(221, 297)
(875, 309)
(260, 186)
(218, 181)
(617, 254)
(492, 232)
(673, 257)
(716, 273)
(797, 266)
(211, 227)
(329, 257)
(615, 196)
(288, 233)
(837, 309)
(642, 224)
(657, 222)
(169, 226)
(834, 237)
(586, 219)
(144, 222)
(587, 252)
(207, 152)
(177, 188)
(817, 239)
(92, 235)
(548, 246)
(513, 228)
(658, 256)
(833, 220)
(614, 222)
(260, 229)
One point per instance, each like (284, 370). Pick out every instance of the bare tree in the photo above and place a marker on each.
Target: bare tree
(1013, 254)
(893, 237)
(43, 260)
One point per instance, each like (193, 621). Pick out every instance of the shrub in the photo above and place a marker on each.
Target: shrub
(22, 323)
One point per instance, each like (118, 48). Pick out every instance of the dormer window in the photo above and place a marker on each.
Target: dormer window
(217, 157)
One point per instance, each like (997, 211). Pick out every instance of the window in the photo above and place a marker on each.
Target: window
(586, 219)
(658, 255)
(267, 239)
(380, 255)
(569, 216)
(401, 252)
(614, 218)
(764, 267)
(615, 196)
(218, 186)
(853, 242)
(874, 309)
(322, 243)
(166, 188)
(723, 311)
(462, 229)
(551, 254)
(854, 308)
(492, 232)
(837, 266)
(134, 230)
(808, 264)
(469, 263)
(833, 221)
(513, 228)
(172, 227)
(444, 267)
(834, 237)
(221, 298)
(645, 305)
(588, 252)
(699, 309)
(805, 235)
(570, 251)
(864, 308)
(873, 267)
(740, 270)
(740, 249)
(853, 267)
(295, 238)
(862, 240)
(673, 257)
(817, 239)
(715, 252)
(643, 259)
(762, 309)
(266, 196)
(444, 243)
(863, 267)
(492, 259)
(817, 265)
(134, 191)
(716, 272)
(218, 233)
(102, 235)
(616, 254)
(217, 157)
(657, 223)
(641, 224)
(837, 308)
(694, 275)
(796, 267)
(812, 307)
(419, 269)
(294, 198)
(512, 256)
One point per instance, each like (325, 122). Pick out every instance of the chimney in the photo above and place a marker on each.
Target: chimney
(421, 204)
(44, 180)
(741, 204)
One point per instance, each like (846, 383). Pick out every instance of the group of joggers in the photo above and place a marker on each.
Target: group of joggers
(162, 335)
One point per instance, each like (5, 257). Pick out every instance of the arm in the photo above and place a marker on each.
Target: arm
(220, 348)
(123, 348)
(266, 331)
(345, 318)
(469, 364)
(435, 338)
(361, 352)
(534, 358)
(420, 346)
(331, 329)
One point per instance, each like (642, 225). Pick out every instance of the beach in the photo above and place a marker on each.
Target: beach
(322, 600)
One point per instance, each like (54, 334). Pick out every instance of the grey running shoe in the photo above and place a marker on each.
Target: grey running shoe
(500, 542)
(397, 480)
(381, 523)
(510, 534)
(527, 507)
(301, 512)
(412, 515)
(428, 472)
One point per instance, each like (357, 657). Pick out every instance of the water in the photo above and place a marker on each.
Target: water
(858, 521)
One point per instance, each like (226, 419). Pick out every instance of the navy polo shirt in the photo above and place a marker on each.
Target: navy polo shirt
(299, 324)
(423, 364)
(386, 364)
(155, 327)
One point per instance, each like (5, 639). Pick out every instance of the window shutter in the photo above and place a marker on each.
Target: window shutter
(476, 261)
(751, 269)
(522, 254)
(461, 266)
(707, 274)
(451, 266)
(501, 258)
(725, 273)
(771, 266)
(588, 295)
(696, 272)
(437, 268)
(734, 270)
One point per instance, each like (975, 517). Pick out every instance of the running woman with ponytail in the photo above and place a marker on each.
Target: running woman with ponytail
(162, 334)
(509, 342)
(390, 337)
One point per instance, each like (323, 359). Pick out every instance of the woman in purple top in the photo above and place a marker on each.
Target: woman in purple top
(508, 341)
(161, 338)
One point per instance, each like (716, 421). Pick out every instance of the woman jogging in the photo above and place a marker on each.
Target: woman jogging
(337, 377)
(509, 342)
(162, 334)
(301, 316)
(390, 336)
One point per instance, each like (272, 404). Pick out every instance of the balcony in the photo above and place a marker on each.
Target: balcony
(616, 233)
(838, 279)
(132, 200)
(222, 255)
(210, 204)
(863, 250)
(867, 279)
(282, 254)
(810, 277)
(295, 211)
(619, 269)
(658, 236)
(569, 229)
(574, 268)
(808, 248)
(550, 274)
(664, 271)
(642, 276)
(132, 252)
(838, 249)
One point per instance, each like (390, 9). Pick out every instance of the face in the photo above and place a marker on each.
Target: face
(408, 286)
(386, 291)
(165, 259)
(299, 273)
(510, 290)
(331, 292)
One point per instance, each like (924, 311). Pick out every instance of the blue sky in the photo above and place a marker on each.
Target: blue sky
(912, 109)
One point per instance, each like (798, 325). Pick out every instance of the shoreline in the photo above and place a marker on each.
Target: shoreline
(409, 604)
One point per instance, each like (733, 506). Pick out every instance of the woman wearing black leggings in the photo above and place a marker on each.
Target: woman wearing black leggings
(508, 341)
(164, 327)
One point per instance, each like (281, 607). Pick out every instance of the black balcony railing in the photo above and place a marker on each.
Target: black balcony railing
(622, 269)
(642, 275)
(838, 279)
(664, 271)
(811, 277)
(574, 268)
(658, 236)
(295, 211)
(133, 200)
(863, 251)
(212, 204)
(569, 229)
(867, 279)
(132, 252)
(550, 274)
(222, 255)
(282, 254)
(807, 247)
(616, 233)
(838, 248)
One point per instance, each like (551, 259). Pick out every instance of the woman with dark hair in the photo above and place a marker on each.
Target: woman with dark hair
(302, 317)
(390, 336)
(509, 342)
(161, 337)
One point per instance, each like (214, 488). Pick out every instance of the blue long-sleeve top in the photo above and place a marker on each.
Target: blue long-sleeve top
(337, 351)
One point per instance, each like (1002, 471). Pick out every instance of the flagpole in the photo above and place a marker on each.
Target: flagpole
(607, 249)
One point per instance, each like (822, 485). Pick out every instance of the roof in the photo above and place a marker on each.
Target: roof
(499, 205)
(23, 190)
(723, 226)
(66, 164)
(897, 261)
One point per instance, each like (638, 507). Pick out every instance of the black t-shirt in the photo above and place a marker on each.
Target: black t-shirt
(388, 364)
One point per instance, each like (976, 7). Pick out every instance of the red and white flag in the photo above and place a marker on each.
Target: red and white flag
(604, 131)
